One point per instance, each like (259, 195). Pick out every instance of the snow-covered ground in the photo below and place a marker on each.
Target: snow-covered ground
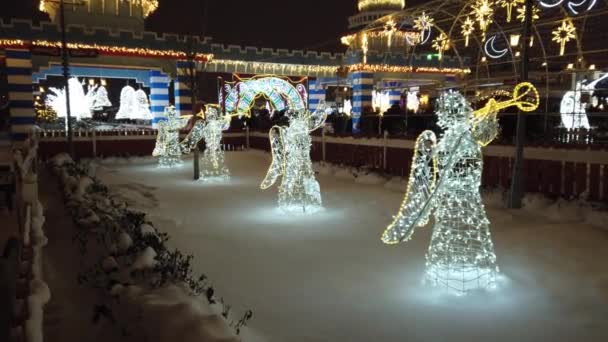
(329, 278)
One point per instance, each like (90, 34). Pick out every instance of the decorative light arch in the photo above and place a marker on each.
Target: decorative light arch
(282, 94)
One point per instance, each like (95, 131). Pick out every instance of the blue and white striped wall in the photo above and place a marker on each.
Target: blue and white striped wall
(363, 85)
(20, 94)
(394, 97)
(316, 94)
(182, 91)
(159, 95)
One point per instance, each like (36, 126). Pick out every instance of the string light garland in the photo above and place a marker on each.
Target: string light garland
(299, 191)
(148, 6)
(365, 5)
(272, 68)
(406, 69)
(444, 181)
(106, 49)
(563, 34)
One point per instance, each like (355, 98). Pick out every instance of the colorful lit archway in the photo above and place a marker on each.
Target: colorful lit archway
(282, 93)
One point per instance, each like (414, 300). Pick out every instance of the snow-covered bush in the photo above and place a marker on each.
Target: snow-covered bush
(134, 269)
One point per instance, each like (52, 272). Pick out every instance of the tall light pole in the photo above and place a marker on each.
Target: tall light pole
(65, 63)
(193, 69)
(517, 183)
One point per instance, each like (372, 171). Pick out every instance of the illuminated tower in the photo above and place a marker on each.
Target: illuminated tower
(370, 10)
(117, 14)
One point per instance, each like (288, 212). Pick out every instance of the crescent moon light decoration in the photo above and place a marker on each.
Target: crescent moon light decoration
(571, 5)
(491, 50)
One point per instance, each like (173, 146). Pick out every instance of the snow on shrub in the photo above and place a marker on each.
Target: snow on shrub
(135, 270)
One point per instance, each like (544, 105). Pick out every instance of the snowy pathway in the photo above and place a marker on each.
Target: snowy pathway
(329, 278)
(67, 316)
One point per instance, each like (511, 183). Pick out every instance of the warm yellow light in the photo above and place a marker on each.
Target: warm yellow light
(592, 67)
(570, 66)
(468, 26)
(563, 34)
(483, 12)
(441, 44)
(509, 5)
(514, 40)
(365, 5)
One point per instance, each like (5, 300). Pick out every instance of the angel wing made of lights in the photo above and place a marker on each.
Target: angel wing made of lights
(277, 166)
(416, 207)
(316, 120)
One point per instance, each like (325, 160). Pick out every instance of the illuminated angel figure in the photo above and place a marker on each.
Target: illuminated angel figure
(445, 181)
(210, 129)
(167, 142)
(299, 191)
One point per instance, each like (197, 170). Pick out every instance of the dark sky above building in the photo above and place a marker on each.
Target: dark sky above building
(308, 25)
(312, 24)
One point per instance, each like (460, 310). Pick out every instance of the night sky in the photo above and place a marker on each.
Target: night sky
(311, 24)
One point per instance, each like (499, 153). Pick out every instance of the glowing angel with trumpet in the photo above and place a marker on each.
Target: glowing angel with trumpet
(445, 179)
(299, 191)
(210, 128)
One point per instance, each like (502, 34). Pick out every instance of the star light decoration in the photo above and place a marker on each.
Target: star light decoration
(509, 5)
(299, 191)
(521, 13)
(483, 12)
(441, 44)
(563, 34)
(444, 181)
(424, 23)
(468, 27)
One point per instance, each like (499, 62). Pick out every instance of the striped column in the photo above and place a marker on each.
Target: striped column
(316, 94)
(159, 95)
(394, 97)
(20, 93)
(182, 91)
(363, 84)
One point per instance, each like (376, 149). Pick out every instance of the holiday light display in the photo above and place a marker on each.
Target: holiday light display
(128, 103)
(441, 44)
(299, 191)
(142, 106)
(521, 13)
(148, 6)
(79, 105)
(571, 5)
(491, 50)
(210, 129)
(424, 23)
(366, 5)
(445, 179)
(468, 26)
(412, 101)
(168, 147)
(572, 110)
(564, 34)
(381, 101)
(483, 12)
(509, 5)
(100, 98)
(280, 92)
